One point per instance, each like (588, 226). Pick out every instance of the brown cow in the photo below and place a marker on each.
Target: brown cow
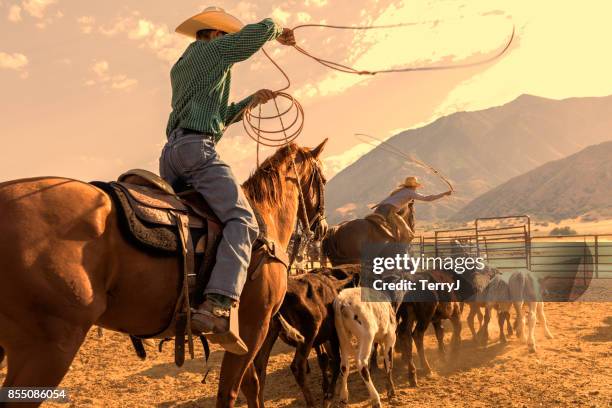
(308, 307)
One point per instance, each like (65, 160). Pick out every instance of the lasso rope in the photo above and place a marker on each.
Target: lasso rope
(293, 123)
(351, 70)
(388, 147)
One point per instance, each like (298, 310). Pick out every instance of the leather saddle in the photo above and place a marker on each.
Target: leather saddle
(392, 230)
(155, 217)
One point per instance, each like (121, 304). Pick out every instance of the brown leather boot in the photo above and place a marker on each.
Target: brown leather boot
(219, 325)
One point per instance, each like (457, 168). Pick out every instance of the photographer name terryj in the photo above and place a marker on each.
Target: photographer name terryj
(421, 284)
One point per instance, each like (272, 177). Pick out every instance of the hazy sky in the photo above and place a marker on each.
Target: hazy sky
(85, 90)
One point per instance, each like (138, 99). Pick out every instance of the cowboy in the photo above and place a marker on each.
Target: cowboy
(201, 81)
(404, 195)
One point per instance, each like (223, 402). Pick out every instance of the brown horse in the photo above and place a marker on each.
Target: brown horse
(344, 242)
(66, 266)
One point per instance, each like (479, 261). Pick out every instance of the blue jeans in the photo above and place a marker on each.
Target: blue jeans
(192, 157)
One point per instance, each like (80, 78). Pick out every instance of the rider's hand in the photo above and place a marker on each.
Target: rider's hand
(263, 96)
(449, 192)
(287, 37)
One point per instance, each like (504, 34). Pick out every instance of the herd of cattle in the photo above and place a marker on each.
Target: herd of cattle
(325, 309)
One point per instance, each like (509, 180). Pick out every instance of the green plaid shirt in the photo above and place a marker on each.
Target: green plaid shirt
(201, 79)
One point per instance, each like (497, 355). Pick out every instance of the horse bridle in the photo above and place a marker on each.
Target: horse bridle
(319, 216)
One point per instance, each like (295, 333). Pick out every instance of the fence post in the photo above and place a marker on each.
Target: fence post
(596, 262)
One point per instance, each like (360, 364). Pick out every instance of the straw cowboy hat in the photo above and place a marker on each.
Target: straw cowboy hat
(212, 18)
(411, 182)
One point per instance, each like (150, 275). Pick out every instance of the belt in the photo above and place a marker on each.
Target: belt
(179, 132)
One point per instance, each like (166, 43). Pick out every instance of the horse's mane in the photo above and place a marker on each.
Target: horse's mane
(265, 185)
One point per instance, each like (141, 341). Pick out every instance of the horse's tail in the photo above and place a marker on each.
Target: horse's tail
(291, 332)
(1, 356)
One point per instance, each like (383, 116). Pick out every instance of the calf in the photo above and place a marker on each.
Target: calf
(518, 288)
(496, 295)
(308, 309)
(432, 306)
(370, 322)
(525, 290)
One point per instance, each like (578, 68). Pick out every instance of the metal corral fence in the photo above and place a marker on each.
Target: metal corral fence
(507, 243)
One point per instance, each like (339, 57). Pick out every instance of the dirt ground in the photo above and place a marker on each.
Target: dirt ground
(573, 369)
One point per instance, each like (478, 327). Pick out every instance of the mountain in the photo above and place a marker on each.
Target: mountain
(476, 150)
(557, 190)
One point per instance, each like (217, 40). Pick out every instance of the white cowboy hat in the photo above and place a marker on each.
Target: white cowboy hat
(411, 182)
(212, 18)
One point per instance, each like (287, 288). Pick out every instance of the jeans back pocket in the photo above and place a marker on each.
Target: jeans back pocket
(189, 154)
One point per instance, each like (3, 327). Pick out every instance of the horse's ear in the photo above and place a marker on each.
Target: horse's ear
(316, 152)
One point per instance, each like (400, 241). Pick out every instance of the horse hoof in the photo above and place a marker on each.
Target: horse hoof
(376, 405)
(532, 348)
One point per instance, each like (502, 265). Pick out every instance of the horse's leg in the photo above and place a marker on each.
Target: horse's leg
(233, 366)
(542, 318)
(261, 360)
(250, 387)
(41, 361)
(260, 298)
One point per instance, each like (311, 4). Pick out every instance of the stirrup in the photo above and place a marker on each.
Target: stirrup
(230, 340)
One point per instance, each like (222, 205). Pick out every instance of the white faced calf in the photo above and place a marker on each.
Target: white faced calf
(369, 322)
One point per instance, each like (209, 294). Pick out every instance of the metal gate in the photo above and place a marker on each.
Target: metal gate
(504, 242)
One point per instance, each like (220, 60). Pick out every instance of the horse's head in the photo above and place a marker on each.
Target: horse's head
(289, 167)
(312, 183)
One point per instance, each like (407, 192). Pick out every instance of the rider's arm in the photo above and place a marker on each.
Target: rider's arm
(433, 197)
(234, 110)
(240, 46)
